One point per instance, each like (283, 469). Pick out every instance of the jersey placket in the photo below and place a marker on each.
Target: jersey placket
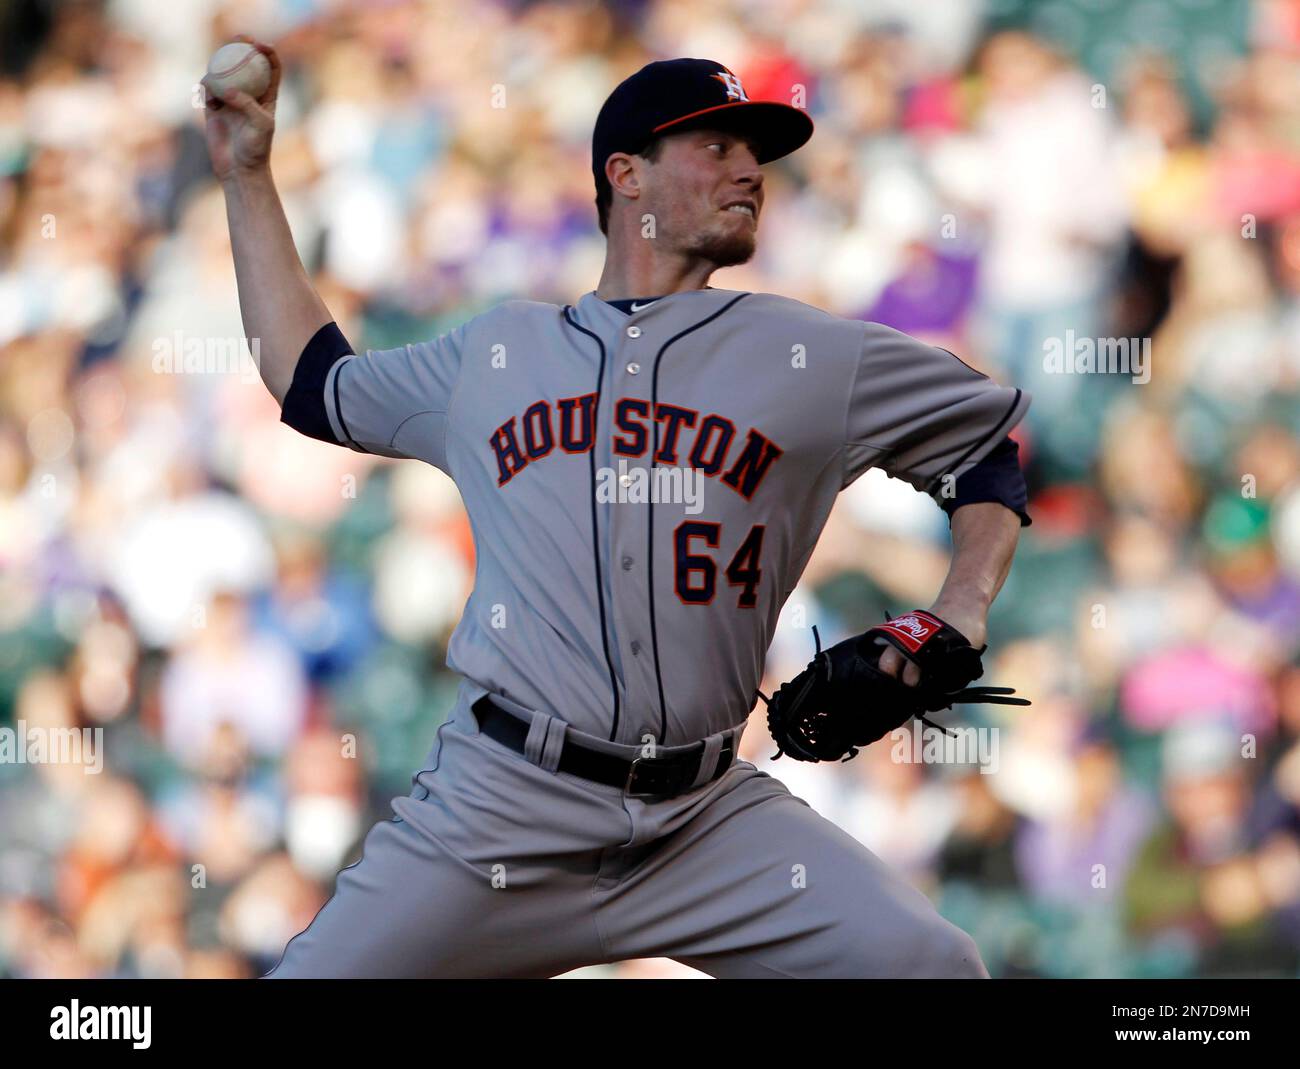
(629, 560)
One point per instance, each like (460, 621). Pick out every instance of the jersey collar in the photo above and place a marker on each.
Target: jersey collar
(693, 303)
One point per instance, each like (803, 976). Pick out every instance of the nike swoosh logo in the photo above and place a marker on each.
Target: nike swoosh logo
(637, 307)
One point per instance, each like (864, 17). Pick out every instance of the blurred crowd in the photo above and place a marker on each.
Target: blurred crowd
(257, 621)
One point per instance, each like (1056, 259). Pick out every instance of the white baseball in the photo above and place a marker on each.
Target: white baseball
(238, 66)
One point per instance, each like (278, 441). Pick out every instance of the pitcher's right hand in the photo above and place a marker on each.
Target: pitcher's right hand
(239, 128)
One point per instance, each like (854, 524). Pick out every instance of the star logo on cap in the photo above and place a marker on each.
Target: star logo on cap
(735, 91)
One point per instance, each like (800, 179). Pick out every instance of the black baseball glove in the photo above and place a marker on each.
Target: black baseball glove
(843, 701)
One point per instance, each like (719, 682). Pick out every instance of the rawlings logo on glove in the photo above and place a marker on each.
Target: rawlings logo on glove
(842, 701)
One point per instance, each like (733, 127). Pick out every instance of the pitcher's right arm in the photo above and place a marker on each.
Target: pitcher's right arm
(281, 309)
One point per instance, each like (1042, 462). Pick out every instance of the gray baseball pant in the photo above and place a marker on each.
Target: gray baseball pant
(496, 866)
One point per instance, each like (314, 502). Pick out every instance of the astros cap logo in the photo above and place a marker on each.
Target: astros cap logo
(735, 91)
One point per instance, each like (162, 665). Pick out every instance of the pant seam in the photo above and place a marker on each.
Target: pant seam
(396, 819)
(595, 883)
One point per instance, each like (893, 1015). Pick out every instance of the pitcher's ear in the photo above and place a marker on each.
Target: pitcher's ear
(621, 173)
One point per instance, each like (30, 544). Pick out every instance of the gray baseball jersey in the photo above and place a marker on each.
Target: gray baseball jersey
(645, 490)
(630, 619)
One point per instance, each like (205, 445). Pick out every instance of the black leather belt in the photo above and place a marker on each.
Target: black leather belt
(643, 777)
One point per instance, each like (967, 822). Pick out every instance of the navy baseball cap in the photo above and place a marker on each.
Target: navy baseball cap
(684, 94)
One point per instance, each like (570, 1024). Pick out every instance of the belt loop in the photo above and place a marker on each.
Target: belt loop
(537, 733)
(553, 744)
(736, 733)
(545, 741)
(708, 760)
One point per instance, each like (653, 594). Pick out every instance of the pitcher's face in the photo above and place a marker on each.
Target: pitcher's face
(705, 191)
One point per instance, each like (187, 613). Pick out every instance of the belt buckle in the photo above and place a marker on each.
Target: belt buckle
(631, 777)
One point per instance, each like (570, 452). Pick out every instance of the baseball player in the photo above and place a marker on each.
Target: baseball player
(584, 802)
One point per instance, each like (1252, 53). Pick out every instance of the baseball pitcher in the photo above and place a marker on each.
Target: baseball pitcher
(646, 472)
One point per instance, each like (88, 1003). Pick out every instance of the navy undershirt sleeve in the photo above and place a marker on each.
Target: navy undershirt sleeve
(995, 478)
(304, 404)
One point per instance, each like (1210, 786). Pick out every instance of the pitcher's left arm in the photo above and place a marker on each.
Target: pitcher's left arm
(984, 537)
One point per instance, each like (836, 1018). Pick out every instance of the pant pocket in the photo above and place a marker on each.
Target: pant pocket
(419, 791)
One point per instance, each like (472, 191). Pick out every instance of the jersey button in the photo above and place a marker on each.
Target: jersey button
(627, 564)
(634, 332)
(636, 647)
(625, 480)
(634, 369)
